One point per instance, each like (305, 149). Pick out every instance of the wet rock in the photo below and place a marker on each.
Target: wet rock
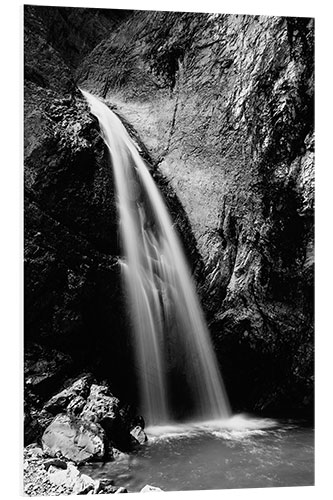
(150, 489)
(74, 439)
(139, 434)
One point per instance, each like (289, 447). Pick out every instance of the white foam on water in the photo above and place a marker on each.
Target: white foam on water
(235, 427)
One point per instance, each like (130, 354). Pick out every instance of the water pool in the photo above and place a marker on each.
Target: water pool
(240, 453)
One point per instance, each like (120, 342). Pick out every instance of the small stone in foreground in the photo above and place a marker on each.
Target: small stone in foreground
(148, 489)
(121, 490)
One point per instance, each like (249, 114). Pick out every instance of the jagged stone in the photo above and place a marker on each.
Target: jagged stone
(77, 390)
(139, 434)
(101, 406)
(74, 439)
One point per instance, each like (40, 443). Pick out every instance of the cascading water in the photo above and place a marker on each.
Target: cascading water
(171, 336)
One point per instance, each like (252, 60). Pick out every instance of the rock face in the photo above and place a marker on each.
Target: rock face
(224, 103)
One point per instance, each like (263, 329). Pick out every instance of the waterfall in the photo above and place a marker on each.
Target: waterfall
(171, 337)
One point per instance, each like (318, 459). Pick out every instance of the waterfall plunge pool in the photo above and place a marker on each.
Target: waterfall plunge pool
(241, 452)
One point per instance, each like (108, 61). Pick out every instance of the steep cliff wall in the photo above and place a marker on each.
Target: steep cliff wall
(225, 106)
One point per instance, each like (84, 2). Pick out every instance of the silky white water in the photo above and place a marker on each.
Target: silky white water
(171, 338)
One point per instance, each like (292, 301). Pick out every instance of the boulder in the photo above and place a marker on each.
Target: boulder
(101, 405)
(121, 490)
(103, 408)
(74, 438)
(139, 434)
(150, 489)
(73, 396)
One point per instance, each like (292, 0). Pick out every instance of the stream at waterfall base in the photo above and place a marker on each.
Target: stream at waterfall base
(241, 452)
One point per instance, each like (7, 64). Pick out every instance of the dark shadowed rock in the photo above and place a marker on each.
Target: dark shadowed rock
(72, 397)
(44, 367)
(57, 463)
(35, 422)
